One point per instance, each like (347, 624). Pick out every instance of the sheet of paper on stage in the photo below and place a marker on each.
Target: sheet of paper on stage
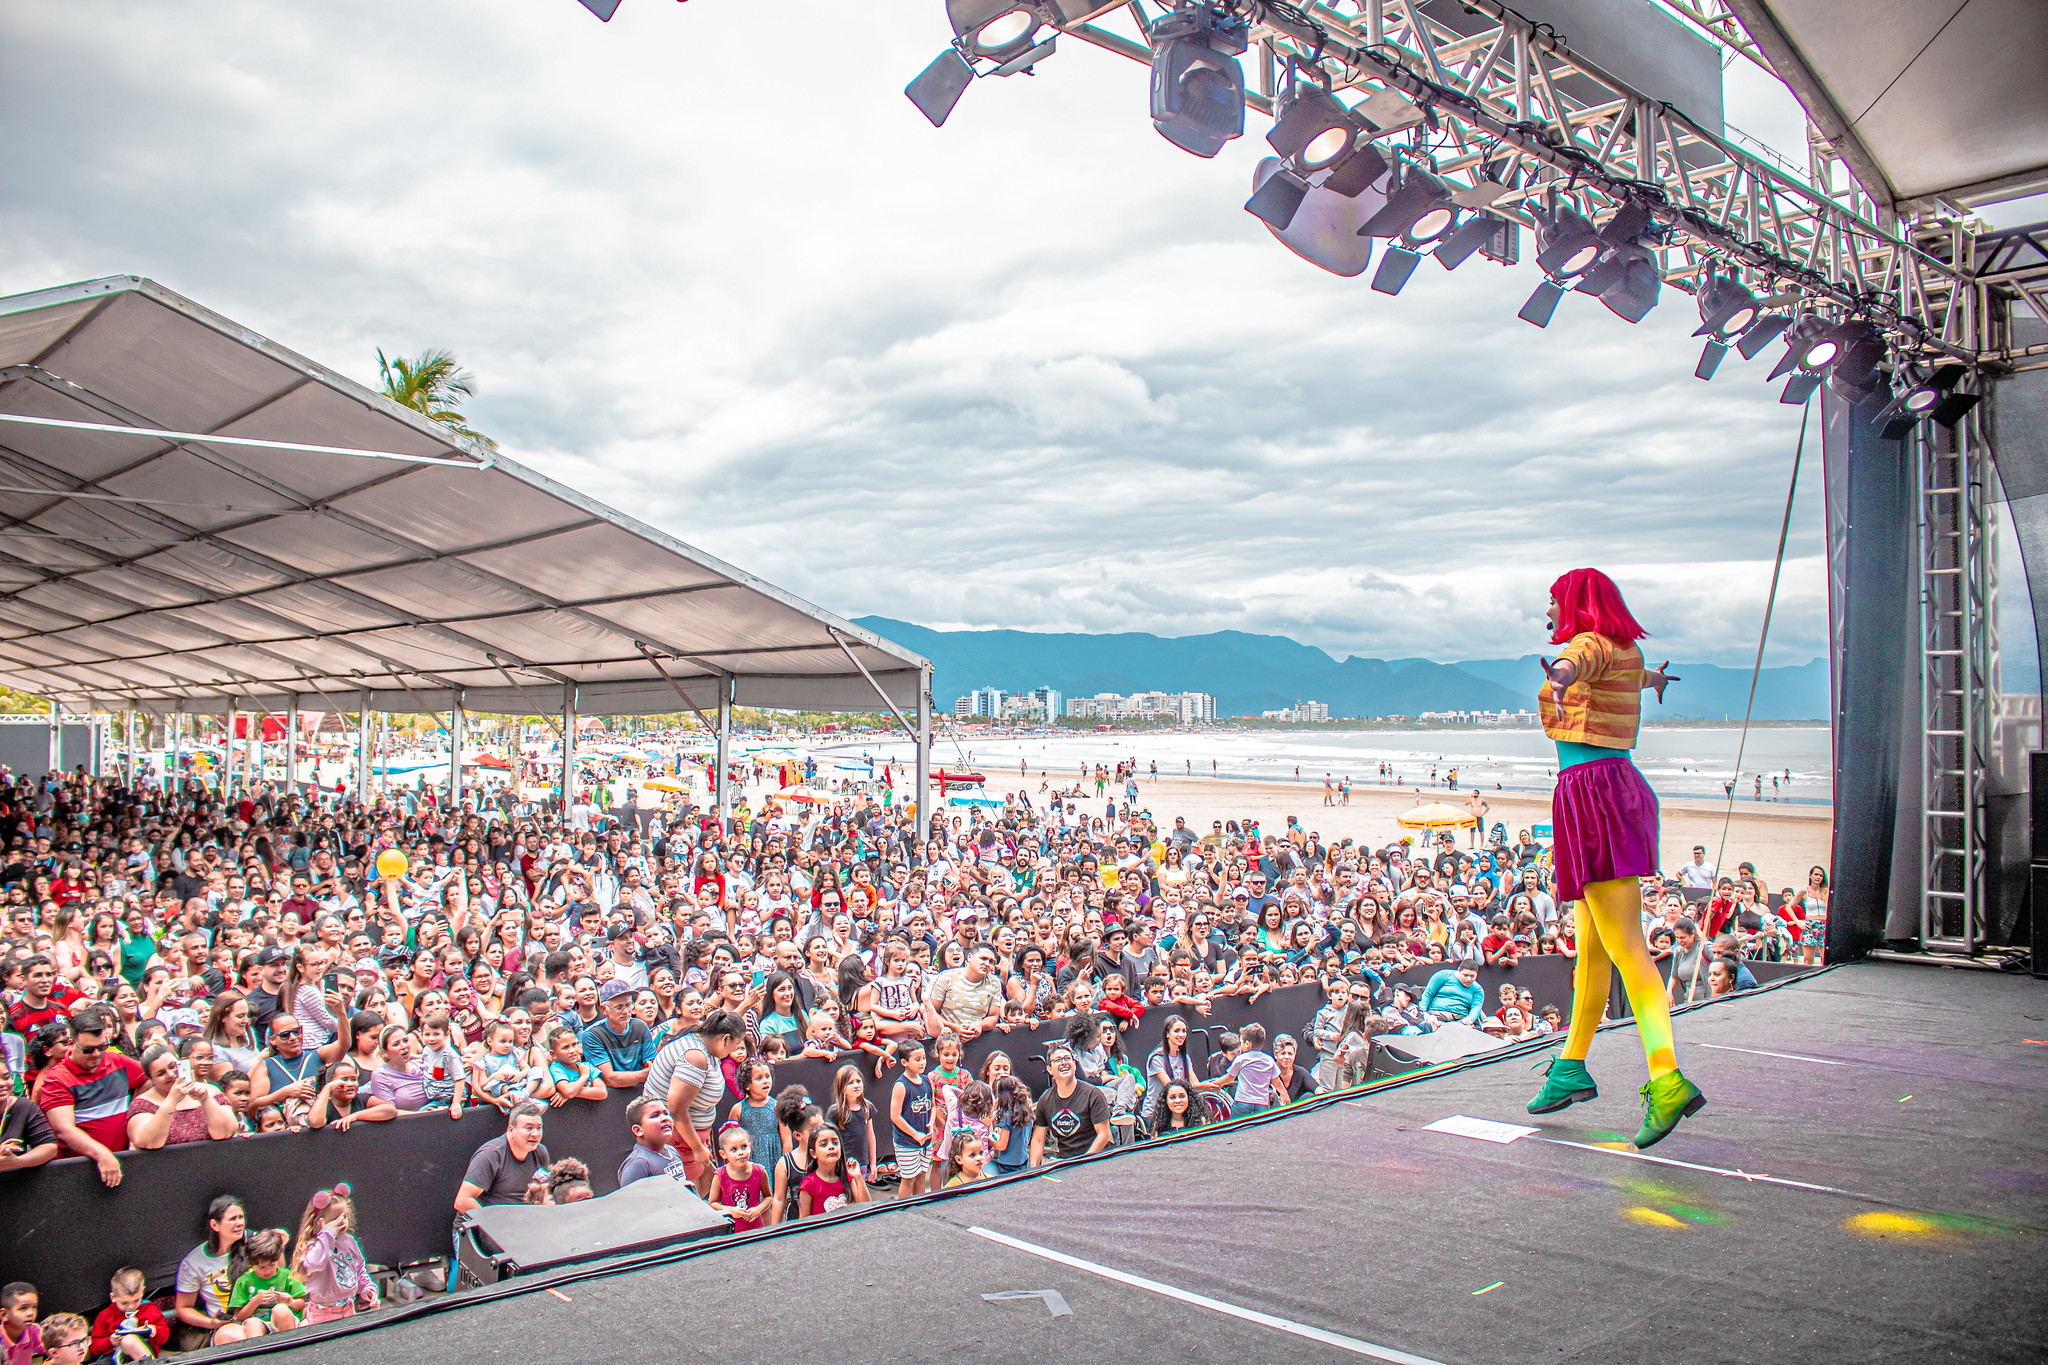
(1486, 1130)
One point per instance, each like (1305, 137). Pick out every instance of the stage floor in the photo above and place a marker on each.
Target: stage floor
(1909, 1086)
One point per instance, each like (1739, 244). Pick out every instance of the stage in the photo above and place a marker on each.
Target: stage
(1901, 1099)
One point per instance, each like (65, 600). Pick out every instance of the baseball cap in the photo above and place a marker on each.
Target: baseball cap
(269, 955)
(612, 990)
(617, 932)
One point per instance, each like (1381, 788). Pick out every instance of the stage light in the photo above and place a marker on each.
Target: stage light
(1567, 245)
(995, 29)
(1854, 374)
(1315, 133)
(1632, 293)
(1726, 308)
(1002, 32)
(1197, 85)
(1812, 345)
(1275, 202)
(1418, 208)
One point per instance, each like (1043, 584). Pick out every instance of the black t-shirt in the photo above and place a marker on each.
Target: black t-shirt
(502, 1177)
(1070, 1122)
(263, 1007)
(1299, 1084)
(26, 1125)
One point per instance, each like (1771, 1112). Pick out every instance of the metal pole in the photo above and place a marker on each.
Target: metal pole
(568, 748)
(724, 746)
(227, 756)
(291, 746)
(455, 754)
(363, 749)
(924, 752)
(128, 764)
(56, 736)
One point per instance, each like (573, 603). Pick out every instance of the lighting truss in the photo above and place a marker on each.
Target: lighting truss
(1514, 106)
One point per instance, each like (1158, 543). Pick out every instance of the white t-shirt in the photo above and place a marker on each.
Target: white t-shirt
(207, 1276)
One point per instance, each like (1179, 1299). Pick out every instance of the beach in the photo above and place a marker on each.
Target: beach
(1782, 839)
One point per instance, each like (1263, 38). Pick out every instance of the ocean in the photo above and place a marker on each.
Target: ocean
(1677, 760)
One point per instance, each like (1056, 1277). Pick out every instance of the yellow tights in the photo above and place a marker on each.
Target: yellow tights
(1610, 931)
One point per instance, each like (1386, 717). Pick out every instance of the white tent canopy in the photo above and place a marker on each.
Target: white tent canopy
(169, 572)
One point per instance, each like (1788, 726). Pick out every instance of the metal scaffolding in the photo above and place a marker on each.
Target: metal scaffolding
(1958, 683)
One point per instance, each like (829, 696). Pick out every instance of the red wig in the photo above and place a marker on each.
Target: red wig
(1588, 600)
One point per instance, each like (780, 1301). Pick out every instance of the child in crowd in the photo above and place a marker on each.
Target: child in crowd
(910, 1118)
(1118, 1002)
(65, 1338)
(571, 1077)
(565, 1182)
(799, 1117)
(1254, 1070)
(739, 1188)
(267, 1288)
(1011, 1136)
(968, 1156)
(755, 1111)
(501, 1075)
(131, 1327)
(853, 1116)
(834, 1181)
(337, 1278)
(441, 1066)
(21, 1341)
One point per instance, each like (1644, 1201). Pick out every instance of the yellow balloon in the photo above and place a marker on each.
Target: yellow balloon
(391, 863)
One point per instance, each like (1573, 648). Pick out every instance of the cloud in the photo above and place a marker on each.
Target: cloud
(1036, 369)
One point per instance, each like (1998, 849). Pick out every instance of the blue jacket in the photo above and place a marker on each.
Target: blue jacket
(1450, 995)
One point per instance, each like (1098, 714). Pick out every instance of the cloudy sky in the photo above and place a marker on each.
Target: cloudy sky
(1037, 369)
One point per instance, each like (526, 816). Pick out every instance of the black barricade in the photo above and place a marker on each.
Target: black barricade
(1764, 972)
(66, 1233)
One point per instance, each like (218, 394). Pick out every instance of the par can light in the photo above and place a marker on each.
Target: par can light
(1726, 309)
(1415, 200)
(1316, 133)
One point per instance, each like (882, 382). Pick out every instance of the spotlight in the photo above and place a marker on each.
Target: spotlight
(994, 29)
(1925, 396)
(1316, 133)
(1812, 345)
(1197, 85)
(1632, 291)
(1275, 202)
(1395, 267)
(1726, 308)
(1854, 374)
(1418, 208)
(1002, 32)
(1567, 245)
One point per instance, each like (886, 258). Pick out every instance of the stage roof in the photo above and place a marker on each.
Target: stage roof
(1923, 98)
(174, 571)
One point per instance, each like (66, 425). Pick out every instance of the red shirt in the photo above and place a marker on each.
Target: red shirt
(148, 1317)
(751, 1193)
(98, 1099)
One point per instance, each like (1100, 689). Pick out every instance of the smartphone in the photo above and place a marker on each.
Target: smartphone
(331, 982)
(759, 976)
(185, 1072)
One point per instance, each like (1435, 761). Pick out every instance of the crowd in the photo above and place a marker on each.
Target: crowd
(182, 966)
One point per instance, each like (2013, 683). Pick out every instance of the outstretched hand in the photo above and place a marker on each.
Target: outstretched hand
(1656, 679)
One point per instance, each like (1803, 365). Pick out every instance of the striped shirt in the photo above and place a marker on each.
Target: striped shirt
(1604, 705)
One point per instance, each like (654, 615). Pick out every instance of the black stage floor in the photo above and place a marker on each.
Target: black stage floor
(1906, 1094)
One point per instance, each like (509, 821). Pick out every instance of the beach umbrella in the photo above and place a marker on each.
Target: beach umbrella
(662, 784)
(1436, 815)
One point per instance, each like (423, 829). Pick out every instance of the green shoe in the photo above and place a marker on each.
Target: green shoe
(1566, 1083)
(1666, 1100)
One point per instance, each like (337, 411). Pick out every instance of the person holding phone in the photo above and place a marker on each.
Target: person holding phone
(175, 1107)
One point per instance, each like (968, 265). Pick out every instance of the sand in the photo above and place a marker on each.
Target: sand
(1783, 840)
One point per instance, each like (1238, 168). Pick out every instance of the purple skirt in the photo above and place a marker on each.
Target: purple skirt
(1604, 818)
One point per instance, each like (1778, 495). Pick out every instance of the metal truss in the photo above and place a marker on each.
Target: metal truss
(1513, 115)
(1958, 682)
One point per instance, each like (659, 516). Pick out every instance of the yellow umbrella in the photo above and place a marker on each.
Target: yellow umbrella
(662, 784)
(1436, 815)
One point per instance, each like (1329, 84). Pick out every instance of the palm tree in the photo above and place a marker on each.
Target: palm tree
(432, 384)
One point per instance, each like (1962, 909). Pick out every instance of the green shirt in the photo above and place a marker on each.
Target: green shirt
(1571, 753)
(251, 1284)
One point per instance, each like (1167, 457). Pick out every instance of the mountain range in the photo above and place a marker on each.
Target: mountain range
(1249, 673)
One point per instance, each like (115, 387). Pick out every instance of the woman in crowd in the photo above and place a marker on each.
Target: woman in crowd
(176, 1107)
(206, 1276)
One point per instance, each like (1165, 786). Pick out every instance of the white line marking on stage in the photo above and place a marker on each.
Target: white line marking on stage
(1759, 1052)
(1353, 1344)
(1716, 1170)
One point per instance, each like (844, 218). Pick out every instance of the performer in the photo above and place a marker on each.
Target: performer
(1604, 817)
